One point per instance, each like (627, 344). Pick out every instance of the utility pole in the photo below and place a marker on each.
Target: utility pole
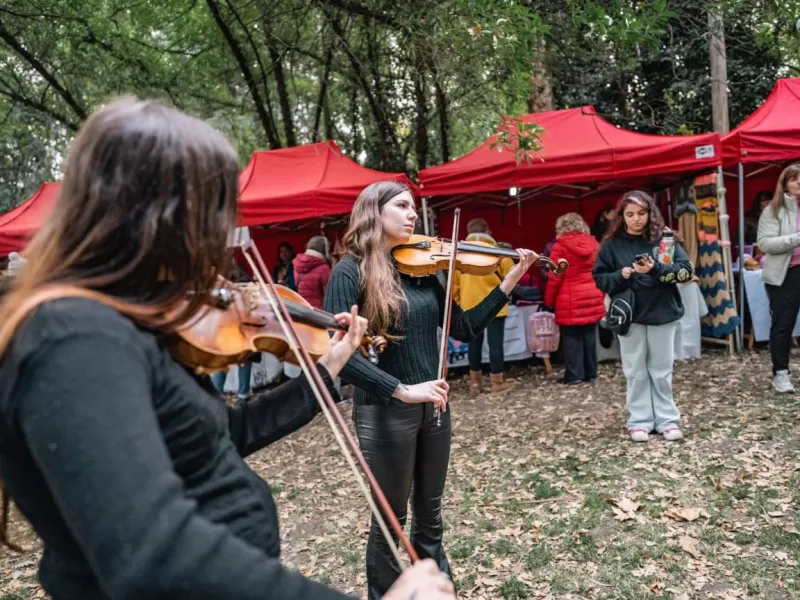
(719, 71)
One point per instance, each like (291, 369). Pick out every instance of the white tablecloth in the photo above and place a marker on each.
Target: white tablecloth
(758, 305)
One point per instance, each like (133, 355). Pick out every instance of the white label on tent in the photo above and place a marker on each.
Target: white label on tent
(701, 152)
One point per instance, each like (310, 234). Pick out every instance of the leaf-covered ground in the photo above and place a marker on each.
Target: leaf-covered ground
(547, 498)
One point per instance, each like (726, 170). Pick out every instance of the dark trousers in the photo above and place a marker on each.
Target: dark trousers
(409, 455)
(580, 352)
(784, 304)
(496, 333)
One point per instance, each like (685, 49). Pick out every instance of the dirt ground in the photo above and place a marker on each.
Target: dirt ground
(547, 498)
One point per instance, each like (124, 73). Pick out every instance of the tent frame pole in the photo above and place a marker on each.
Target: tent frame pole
(741, 246)
(727, 258)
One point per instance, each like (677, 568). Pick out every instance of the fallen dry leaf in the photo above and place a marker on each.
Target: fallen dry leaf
(689, 544)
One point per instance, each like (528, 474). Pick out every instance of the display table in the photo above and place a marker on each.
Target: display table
(515, 340)
(758, 306)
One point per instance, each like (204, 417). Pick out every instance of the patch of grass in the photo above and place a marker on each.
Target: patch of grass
(542, 489)
(778, 538)
(502, 547)
(514, 589)
(352, 558)
(464, 548)
(539, 556)
(581, 546)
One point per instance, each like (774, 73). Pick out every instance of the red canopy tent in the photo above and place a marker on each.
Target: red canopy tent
(585, 162)
(579, 147)
(18, 225)
(771, 133)
(304, 183)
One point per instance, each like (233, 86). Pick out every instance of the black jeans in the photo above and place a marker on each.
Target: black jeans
(496, 332)
(405, 448)
(784, 304)
(580, 352)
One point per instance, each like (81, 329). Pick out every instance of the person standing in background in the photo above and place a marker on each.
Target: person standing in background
(283, 273)
(779, 240)
(753, 215)
(312, 271)
(601, 221)
(633, 264)
(469, 291)
(577, 302)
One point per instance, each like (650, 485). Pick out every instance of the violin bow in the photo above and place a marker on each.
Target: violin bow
(448, 309)
(342, 434)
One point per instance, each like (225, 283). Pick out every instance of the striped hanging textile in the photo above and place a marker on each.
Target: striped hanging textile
(721, 319)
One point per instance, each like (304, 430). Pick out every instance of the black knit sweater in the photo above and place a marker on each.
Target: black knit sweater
(415, 357)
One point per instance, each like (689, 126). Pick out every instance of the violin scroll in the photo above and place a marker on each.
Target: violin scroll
(372, 347)
(558, 268)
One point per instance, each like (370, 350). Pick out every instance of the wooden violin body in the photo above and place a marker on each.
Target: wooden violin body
(423, 255)
(229, 329)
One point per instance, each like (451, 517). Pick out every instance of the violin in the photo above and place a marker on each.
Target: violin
(232, 326)
(422, 255)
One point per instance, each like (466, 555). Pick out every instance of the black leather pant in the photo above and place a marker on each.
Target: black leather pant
(403, 446)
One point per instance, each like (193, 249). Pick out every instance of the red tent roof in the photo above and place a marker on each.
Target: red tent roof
(772, 132)
(579, 147)
(20, 223)
(304, 182)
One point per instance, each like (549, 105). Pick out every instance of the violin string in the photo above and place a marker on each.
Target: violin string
(326, 411)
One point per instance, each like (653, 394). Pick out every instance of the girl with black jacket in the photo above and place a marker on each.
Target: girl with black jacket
(394, 401)
(128, 465)
(648, 347)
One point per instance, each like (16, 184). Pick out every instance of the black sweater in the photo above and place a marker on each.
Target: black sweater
(131, 472)
(657, 299)
(415, 357)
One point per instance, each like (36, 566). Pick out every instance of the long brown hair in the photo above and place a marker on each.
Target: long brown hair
(146, 204)
(779, 198)
(655, 221)
(364, 240)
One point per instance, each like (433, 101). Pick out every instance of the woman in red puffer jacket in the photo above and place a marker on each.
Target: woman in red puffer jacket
(578, 304)
(312, 271)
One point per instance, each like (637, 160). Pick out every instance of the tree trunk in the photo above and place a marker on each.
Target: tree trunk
(541, 97)
(386, 135)
(421, 101)
(323, 91)
(719, 72)
(247, 74)
(441, 110)
(283, 94)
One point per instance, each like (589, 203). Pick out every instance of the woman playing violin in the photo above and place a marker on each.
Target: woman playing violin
(128, 466)
(394, 401)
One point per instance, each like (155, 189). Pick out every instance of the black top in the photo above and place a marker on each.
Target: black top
(658, 300)
(131, 472)
(415, 357)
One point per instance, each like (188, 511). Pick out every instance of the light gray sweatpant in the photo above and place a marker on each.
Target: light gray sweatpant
(647, 354)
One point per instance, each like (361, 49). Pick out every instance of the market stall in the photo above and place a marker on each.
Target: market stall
(18, 225)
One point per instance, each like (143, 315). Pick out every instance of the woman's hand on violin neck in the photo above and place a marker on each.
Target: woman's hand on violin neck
(526, 260)
(422, 581)
(429, 391)
(343, 344)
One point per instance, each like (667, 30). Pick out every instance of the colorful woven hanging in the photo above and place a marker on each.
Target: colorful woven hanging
(721, 319)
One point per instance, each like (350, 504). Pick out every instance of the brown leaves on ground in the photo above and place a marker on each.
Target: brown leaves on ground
(547, 498)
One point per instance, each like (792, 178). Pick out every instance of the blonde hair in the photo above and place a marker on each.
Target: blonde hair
(379, 282)
(570, 223)
(779, 198)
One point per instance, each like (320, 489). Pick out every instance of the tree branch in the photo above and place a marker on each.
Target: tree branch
(37, 65)
(40, 107)
(241, 60)
(356, 8)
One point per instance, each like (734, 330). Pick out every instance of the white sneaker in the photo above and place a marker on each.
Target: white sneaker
(639, 435)
(673, 434)
(782, 383)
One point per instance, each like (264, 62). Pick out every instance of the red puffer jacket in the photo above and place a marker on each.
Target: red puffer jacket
(574, 294)
(311, 273)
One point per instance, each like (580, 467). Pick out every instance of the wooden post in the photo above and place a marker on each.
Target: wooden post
(719, 70)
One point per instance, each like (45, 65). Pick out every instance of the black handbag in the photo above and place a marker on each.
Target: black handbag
(619, 315)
